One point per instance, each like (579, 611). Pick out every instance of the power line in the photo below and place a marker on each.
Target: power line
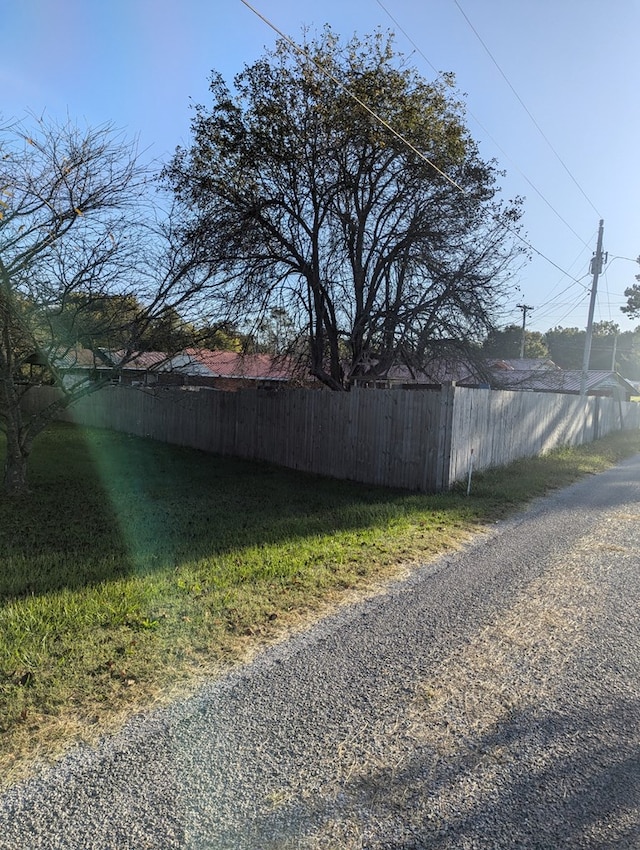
(409, 39)
(484, 129)
(572, 309)
(526, 109)
(555, 265)
(355, 97)
(553, 302)
(606, 283)
(300, 50)
(550, 305)
(549, 302)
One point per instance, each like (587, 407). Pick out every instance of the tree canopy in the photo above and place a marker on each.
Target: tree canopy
(379, 248)
(83, 262)
(610, 348)
(632, 294)
(507, 342)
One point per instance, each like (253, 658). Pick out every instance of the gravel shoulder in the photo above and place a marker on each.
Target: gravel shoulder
(489, 700)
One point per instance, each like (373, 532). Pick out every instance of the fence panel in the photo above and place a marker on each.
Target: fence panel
(503, 426)
(418, 440)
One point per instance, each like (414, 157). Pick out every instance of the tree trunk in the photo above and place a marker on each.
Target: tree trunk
(15, 475)
(14, 481)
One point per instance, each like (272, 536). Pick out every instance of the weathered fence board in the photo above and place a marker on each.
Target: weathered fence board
(418, 440)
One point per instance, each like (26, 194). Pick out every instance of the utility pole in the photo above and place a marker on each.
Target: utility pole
(596, 268)
(524, 308)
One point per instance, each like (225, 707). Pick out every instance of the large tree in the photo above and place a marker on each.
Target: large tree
(378, 247)
(82, 263)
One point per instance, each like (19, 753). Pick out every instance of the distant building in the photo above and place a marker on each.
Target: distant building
(223, 370)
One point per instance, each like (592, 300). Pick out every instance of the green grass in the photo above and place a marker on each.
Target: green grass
(134, 568)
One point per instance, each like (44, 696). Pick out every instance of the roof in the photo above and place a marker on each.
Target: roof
(191, 361)
(79, 358)
(533, 374)
(524, 364)
(562, 381)
(232, 364)
(437, 371)
(138, 360)
(85, 358)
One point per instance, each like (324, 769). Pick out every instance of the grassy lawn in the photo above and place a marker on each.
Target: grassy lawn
(134, 569)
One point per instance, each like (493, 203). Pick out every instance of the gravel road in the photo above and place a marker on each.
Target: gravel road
(490, 700)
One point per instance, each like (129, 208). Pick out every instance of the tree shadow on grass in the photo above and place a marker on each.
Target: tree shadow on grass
(63, 532)
(105, 505)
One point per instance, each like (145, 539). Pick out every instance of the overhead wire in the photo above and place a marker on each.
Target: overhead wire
(526, 109)
(483, 128)
(615, 300)
(354, 97)
(572, 308)
(550, 302)
(301, 51)
(606, 284)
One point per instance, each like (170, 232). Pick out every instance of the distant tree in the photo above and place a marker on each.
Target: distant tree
(94, 319)
(79, 264)
(310, 203)
(628, 354)
(167, 332)
(606, 328)
(114, 322)
(506, 343)
(275, 333)
(566, 346)
(224, 336)
(604, 345)
(632, 294)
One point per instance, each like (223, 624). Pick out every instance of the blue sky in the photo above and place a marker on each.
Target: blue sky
(573, 63)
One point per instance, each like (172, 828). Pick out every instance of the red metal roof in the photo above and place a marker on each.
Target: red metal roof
(231, 364)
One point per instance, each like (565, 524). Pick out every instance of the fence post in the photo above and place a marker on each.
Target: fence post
(445, 428)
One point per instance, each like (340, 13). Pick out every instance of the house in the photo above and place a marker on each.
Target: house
(74, 364)
(432, 374)
(603, 383)
(140, 368)
(546, 376)
(527, 374)
(229, 370)
(223, 370)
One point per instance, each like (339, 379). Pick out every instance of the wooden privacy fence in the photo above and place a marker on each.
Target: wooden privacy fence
(419, 440)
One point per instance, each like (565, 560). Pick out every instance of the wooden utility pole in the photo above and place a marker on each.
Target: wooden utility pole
(524, 308)
(596, 268)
